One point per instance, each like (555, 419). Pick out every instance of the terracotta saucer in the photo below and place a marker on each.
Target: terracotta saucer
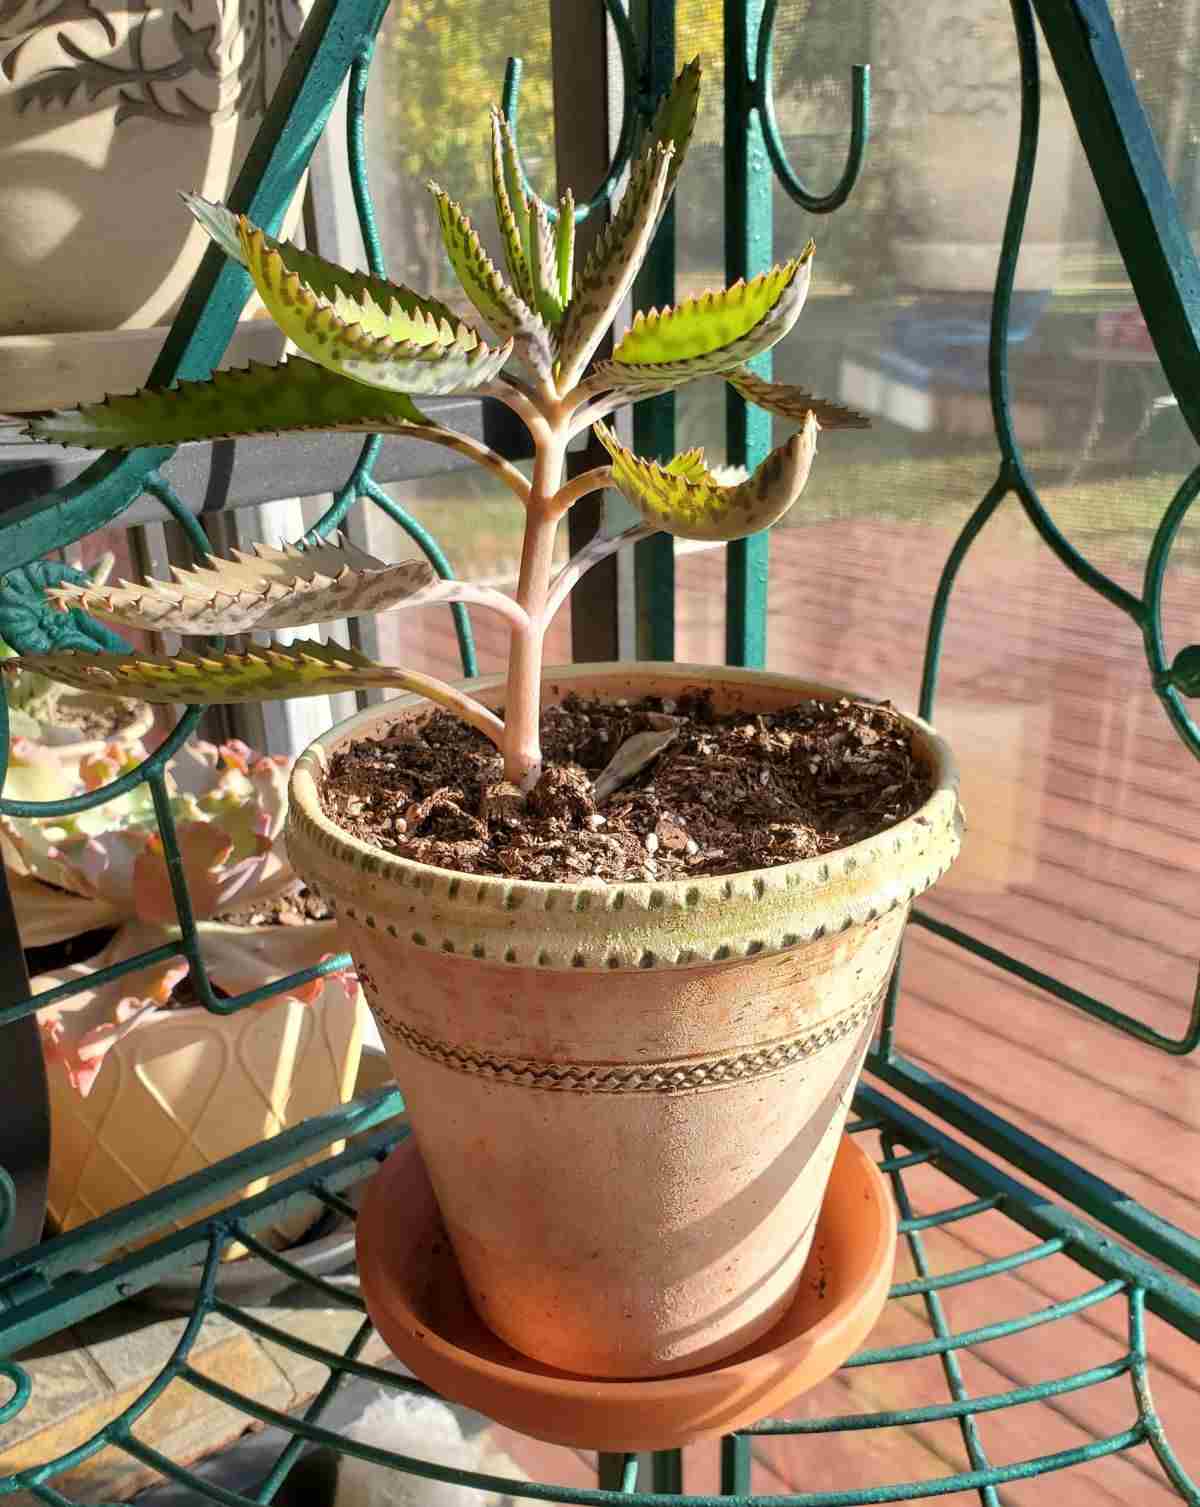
(416, 1299)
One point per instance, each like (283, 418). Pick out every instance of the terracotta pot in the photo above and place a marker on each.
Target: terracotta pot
(188, 1088)
(628, 1096)
(415, 1296)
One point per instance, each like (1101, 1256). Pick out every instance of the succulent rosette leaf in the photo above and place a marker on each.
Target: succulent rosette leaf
(106, 866)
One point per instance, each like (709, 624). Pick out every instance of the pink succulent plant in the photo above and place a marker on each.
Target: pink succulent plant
(106, 867)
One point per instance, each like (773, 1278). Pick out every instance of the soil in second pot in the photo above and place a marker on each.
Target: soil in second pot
(721, 792)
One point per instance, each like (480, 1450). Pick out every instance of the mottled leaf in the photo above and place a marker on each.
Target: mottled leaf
(503, 308)
(395, 349)
(543, 266)
(28, 621)
(326, 279)
(296, 395)
(717, 330)
(691, 504)
(273, 588)
(262, 674)
(675, 119)
(793, 402)
(220, 223)
(613, 264)
(512, 208)
(564, 247)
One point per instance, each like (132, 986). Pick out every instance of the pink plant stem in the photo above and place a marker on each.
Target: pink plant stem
(522, 739)
(581, 486)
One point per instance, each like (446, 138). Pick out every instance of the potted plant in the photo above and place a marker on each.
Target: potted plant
(146, 1085)
(625, 928)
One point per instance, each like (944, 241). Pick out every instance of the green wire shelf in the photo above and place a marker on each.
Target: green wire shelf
(1070, 1275)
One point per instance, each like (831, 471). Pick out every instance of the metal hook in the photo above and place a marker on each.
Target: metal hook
(860, 125)
(509, 100)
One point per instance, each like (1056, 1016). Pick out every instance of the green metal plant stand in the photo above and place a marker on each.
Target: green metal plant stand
(1083, 1246)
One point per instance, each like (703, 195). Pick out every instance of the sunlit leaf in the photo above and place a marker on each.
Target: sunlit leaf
(613, 264)
(326, 279)
(512, 207)
(716, 330)
(216, 679)
(691, 504)
(564, 246)
(793, 402)
(503, 308)
(397, 349)
(272, 588)
(296, 395)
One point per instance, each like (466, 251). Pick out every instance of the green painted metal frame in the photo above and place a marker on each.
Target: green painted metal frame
(66, 1282)
(54, 1285)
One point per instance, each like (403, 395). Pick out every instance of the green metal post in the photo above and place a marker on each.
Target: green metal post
(748, 243)
(735, 1466)
(666, 1472)
(654, 420)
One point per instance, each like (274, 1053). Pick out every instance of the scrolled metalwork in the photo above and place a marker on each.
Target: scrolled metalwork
(634, 106)
(860, 125)
(1013, 479)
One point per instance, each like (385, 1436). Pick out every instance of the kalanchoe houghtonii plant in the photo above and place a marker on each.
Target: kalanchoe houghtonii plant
(373, 349)
(105, 867)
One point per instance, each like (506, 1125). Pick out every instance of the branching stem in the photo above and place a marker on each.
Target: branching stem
(522, 742)
(482, 454)
(581, 486)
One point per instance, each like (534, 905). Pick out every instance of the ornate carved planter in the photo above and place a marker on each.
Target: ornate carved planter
(106, 111)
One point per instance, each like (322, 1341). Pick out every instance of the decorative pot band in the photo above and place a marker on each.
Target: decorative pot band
(674, 924)
(678, 1077)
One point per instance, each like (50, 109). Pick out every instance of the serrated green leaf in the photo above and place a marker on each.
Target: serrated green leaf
(564, 246)
(543, 266)
(326, 279)
(294, 396)
(689, 464)
(362, 341)
(675, 119)
(609, 271)
(503, 308)
(512, 208)
(793, 402)
(270, 589)
(684, 499)
(262, 674)
(716, 330)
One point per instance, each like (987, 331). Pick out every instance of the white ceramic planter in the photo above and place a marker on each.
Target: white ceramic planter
(188, 1088)
(106, 112)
